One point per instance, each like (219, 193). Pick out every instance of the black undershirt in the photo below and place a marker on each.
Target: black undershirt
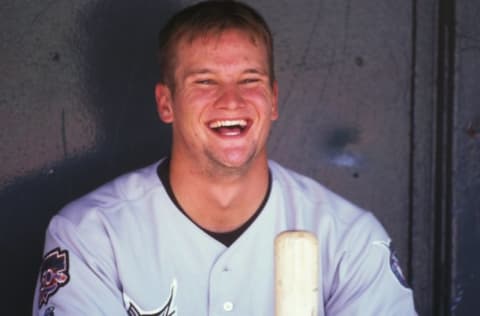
(226, 238)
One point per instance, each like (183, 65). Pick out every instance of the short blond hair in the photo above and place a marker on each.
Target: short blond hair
(206, 18)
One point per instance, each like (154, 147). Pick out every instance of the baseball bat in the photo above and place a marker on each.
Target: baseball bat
(296, 274)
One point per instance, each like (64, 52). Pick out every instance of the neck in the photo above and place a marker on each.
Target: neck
(219, 201)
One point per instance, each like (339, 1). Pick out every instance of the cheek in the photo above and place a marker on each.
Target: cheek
(188, 113)
(196, 102)
(201, 94)
(263, 98)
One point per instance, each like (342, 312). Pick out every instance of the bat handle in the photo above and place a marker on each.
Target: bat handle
(296, 274)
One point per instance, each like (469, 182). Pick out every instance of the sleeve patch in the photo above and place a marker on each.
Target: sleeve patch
(53, 274)
(394, 262)
(395, 266)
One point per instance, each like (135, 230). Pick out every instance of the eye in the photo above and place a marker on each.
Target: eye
(249, 80)
(205, 82)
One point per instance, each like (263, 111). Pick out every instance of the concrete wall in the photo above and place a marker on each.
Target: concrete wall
(358, 97)
(465, 168)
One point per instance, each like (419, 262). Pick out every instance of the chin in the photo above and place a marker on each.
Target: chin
(235, 163)
(241, 162)
(237, 158)
(232, 160)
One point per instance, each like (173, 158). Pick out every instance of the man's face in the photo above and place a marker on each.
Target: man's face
(224, 103)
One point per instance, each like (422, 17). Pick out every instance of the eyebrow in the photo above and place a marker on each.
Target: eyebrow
(203, 71)
(255, 71)
(200, 71)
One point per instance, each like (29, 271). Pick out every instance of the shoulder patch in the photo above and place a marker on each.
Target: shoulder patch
(395, 266)
(53, 274)
(394, 263)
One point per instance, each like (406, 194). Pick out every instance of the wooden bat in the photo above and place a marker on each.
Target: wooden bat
(296, 274)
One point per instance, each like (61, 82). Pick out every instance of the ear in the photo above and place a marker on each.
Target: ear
(274, 114)
(163, 97)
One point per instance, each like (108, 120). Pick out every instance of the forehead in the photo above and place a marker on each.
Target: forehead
(213, 38)
(231, 44)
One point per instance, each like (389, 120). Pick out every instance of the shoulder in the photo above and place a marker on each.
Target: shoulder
(87, 227)
(113, 196)
(314, 196)
(317, 208)
(307, 188)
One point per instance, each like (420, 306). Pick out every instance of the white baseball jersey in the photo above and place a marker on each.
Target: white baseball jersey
(126, 249)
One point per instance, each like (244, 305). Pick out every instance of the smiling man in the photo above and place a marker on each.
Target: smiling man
(221, 110)
(193, 234)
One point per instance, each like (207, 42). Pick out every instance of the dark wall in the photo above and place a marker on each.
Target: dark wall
(465, 164)
(377, 101)
(76, 109)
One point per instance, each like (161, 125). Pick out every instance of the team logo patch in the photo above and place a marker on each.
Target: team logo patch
(395, 266)
(168, 309)
(395, 263)
(53, 275)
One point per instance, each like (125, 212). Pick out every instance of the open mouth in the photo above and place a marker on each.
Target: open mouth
(229, 127)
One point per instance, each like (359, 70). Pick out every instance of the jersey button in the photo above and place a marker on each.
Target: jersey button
(228, 306)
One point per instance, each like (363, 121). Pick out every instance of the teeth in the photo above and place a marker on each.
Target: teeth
(226, 123)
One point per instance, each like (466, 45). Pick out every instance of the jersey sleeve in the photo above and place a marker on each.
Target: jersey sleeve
(368, 278)
(77, 275)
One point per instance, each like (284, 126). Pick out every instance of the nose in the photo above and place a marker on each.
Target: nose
(230, 98)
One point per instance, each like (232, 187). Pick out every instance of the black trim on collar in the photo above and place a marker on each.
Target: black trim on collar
(226, 238)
